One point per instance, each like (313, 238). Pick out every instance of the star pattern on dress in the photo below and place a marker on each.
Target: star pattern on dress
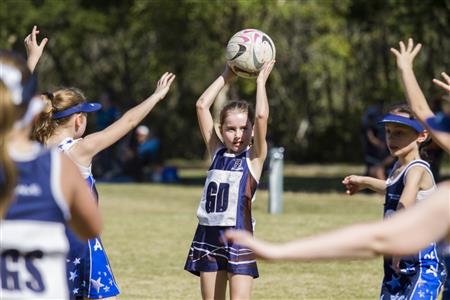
(73, 275)
(420, 282)
(421, 294)
(432, 270)
(394, 282)
(97, 284)
(75, 291)
(77, 261)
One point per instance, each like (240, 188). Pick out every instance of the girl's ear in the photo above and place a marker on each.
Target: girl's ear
(423, 136)
(78, 120)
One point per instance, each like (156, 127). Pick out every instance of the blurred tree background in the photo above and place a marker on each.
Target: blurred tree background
(333, 60)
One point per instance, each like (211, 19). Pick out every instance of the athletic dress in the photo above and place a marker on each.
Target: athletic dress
(88, 268)
(33, 244)
(444, 249)
(226, 203)
(420, 275)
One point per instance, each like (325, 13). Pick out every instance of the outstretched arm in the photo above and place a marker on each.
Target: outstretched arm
(416, 99)
(259, 149)
(34, 50)
(203, 105)
(355, 183)
(85, 150)
(428, 221)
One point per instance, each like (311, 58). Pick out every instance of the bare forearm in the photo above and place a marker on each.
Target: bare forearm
(262, 103)
(414, 95)
(135, 115)
(351, 242)
(209, 95)
(376, 185)
(32, 63)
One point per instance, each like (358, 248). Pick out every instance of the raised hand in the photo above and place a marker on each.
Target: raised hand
(353, 184)
(34, 49)
(265, 72)
(441, 84)
(163, 85)
(406, 54)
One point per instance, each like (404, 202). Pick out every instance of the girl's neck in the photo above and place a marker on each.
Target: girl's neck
(59, 136)
(409, 157)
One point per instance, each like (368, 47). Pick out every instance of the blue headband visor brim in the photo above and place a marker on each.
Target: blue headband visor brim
(414, 124)
(82, 107)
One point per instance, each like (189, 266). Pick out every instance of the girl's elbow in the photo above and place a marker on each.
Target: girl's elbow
(262, 116)
(200, 104)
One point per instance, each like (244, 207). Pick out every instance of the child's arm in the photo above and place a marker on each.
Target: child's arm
(259, 148)
(428, 220)
(203, 105)
(85, 219)
(355, 183)
(413, 179)
(85, 150)
(34, 50)
(443, 85)
(416, 99)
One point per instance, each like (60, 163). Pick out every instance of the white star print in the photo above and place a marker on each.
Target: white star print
(97, 284)
(73, 275)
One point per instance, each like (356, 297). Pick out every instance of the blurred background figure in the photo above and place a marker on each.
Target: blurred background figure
(144, 158)
(377, 159)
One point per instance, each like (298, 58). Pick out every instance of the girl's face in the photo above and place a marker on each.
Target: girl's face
(236, 131)
(80, 124)
(401, 139)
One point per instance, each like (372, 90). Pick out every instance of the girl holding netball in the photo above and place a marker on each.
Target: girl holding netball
(406, 232)
(236, 165)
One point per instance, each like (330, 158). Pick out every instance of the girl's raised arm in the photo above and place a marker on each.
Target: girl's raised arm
(89, 146)
(259, 148)
(34, 50)
(428, 220)
(414, 95)
(203, 105)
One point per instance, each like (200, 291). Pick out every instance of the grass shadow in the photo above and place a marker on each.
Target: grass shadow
(312, 184)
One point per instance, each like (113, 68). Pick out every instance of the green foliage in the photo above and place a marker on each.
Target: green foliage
(333, 59)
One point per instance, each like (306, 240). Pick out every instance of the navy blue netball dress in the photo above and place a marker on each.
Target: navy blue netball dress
(420, 275)
(226, 203)
(33, 243)
(89, 272)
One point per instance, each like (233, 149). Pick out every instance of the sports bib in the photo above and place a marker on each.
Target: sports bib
(218, 205)
(33, 260)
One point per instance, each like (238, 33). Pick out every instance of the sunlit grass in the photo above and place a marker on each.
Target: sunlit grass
(148, 230)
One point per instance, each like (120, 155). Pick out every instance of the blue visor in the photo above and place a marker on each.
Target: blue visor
(82, 107)
(414, 124)
(440, 122)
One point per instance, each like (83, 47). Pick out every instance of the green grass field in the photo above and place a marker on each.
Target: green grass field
(148, 229)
